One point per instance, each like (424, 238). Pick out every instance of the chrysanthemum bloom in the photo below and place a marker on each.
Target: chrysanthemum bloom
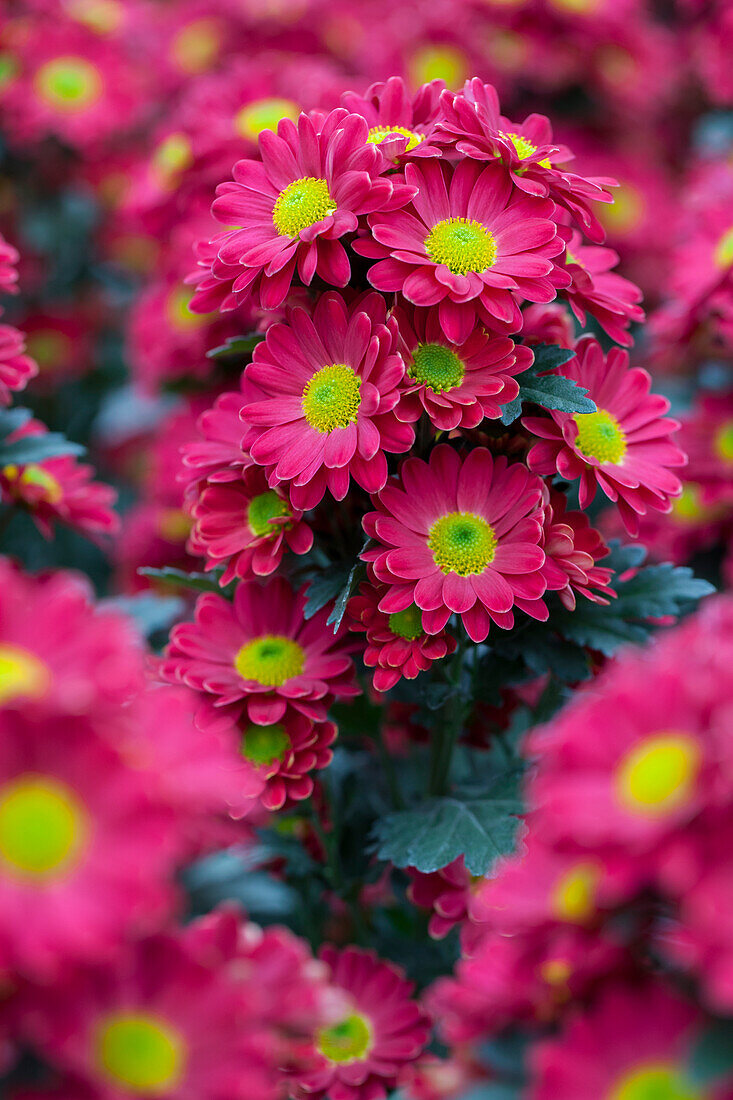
(598, 290)
(468, 240)
(459, 535)
(247, 527)
(398, 122)
(635, 1041)
(572, 548)
(446, 893)
(291, 209)
(276, 760)
(16, 368)
(218, 455)
(471, 123)
(707, 437)
(332, 384)
(624, 447)
(9, 257)
(360, 1056)
(59, 490)
(85, 854)
(260, 650)
(170, 1016)
(397, 645)
(60, 653)
(456, 384)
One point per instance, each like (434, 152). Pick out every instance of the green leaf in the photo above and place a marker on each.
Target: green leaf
(712, 1055)
(551, 391)
(325, 587)
(37, 448)
(178, 578)
(442, 829)
(237, 345)
(151, 613)
(356, 573)
(12, 419)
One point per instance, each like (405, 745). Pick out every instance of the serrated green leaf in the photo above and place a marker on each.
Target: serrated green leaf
(325, 587)
(482, 830)
(237, 345)
(38, 448)
(712, 1054)
(198, 582)
(658, 590)
(551, 391)
(356, 573)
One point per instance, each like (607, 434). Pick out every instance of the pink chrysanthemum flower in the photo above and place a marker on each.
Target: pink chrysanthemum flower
(468, 242)
(291, 209)
(276, 759)
(259, 649)
(707, 437)
(85, 854)
(572, 548)
(16, 368)
(247, 527)
(399, 124)
(59, 490)
(446, 893)
(9, 257)
(397, 645)
(457, 385)
(624, 447)
(360, 1056)
(598, 290)
(635, 1041)
(332, 386)
(472, 124)
(219, 456)
(460, 535)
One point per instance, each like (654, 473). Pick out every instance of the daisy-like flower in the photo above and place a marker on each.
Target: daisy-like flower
(467, 241)
(399, 123)
(260, 650)
(77, 825)
(471, 123)
(332, 386)
(219, 455)
(596, 289)
(291, 209)
(397, 645)
(456, 384)
(572, 548)
(624, 447)
(16, 368)
(58, 490)
(460, 535)
(707, 437)
(247, 526)
(9, 257)
(360, 1056)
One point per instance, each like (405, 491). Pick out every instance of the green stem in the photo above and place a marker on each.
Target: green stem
(390, 774)
(448, 728)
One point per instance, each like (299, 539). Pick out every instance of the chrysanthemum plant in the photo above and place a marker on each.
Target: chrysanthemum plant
(396, 505)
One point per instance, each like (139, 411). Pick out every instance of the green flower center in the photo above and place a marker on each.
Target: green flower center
(264, 744)
(407, 623)
(22, 675)
(331, 398)
(69, 83)
(263, 114)
(688, 506)
(658, 775)
(48, 347)
(436, 366)
(173, 155)
(270, 660)
(724, 442)
(724, 249)
(43, 826)
(348, 1041)
(600, 436)
(178, 312)
(655, 1082)
(303, 202)
(141, 1052)
(262, 509)
(377, 135)
(573, 896)
(462, 543)
(461, 245)
(9, 68)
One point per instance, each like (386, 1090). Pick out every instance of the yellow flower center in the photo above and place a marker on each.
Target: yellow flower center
(52, 491)
(600, 436)
(68, 83)
(659, 1081)
(22, 675)
(436, 366)
(626, 210)
(264, 744)
(462, 543)
(524, 148)
(348, 1041)
(48, 347)
(724, 442)
(461, 245)
(303, 202)
(331, 398)
(173, 156)
(174, 525)
(141, 1052)
(378, 134)
(724, 249)
(573, 895)
(196, 47)
(9, 69)
(43, 827)
(264, 114)
(658, 775)
(407, 624)
(178, 313)
(262, 509)
(100, 16)
(270, 660)
(575, 7)
(556, 972)
(432, 62)
(688, 506)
